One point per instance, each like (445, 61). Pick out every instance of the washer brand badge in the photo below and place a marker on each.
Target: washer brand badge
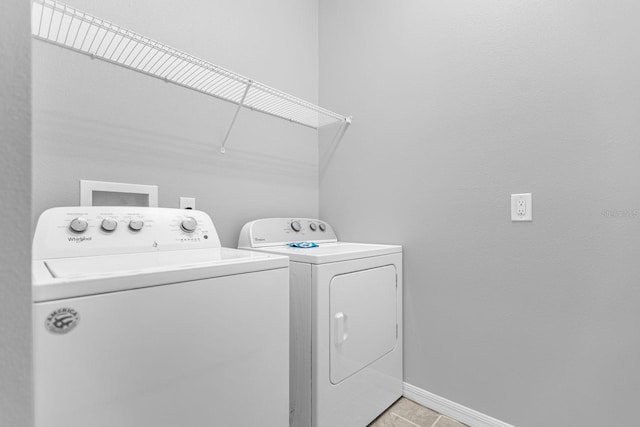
(259, 239)
(62, 320)
(79, 239)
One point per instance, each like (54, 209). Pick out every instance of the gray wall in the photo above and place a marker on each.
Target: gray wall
(96, 121)
(456, 105)
(15, 211)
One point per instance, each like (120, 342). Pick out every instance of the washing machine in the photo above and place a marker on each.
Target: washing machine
(142, 319)
(346, 321)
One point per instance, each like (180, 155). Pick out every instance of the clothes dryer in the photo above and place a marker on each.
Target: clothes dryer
(346, 321)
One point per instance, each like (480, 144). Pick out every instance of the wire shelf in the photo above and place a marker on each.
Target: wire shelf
(61, 25)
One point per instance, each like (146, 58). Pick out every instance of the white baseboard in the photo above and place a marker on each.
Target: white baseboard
(451, 409)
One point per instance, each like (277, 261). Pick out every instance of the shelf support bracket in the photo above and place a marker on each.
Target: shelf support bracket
(235, 116)
(325, 157)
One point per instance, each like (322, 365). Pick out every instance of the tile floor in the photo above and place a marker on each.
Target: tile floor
(406, 413)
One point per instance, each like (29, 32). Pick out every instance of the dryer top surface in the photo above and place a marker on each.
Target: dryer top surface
(332, 252)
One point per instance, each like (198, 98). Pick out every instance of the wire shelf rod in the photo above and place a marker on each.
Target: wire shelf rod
(233, 121)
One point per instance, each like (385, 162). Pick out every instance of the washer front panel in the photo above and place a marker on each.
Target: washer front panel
(187, 354)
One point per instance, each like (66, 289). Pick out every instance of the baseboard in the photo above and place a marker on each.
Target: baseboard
(451, 409)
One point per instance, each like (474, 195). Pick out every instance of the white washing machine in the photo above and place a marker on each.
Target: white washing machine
(346, 321)
(141, 319)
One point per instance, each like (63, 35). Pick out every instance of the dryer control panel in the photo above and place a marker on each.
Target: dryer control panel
(108, 230)
(280, 231)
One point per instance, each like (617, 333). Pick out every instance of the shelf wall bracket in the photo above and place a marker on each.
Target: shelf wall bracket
(235, 116)
(325, 157)
(342, 129)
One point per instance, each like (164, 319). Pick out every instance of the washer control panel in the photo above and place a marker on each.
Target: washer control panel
(107, 230)
(280, 231)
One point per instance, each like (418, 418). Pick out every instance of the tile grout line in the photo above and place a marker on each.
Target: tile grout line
(403, 418)
(436, 421)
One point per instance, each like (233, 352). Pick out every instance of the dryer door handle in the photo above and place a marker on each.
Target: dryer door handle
(340, 332)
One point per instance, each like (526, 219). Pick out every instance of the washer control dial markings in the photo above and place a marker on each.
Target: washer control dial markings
(189, 224)
(109, 224)
(78, 225)
(136, 224)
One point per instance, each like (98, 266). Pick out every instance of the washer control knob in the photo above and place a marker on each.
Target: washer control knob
(78, 225)
(109, 224)
(136, 224)
(313, 226)
(295, 226)
(189, 224)
(322, 227)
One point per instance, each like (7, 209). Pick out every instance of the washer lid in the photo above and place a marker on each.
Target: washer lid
(73, 277)
(332, 252)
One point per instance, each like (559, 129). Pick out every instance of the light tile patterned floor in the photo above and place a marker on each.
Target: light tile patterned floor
(407, 413)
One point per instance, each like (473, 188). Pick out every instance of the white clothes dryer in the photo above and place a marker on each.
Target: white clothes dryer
(142, 319)
(346, 321)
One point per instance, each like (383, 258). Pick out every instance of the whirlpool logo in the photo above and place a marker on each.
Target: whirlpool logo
(79, 239)
(62, 320)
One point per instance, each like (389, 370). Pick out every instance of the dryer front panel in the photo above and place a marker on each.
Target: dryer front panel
(363, 317)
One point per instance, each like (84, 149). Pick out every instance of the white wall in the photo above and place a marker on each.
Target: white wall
(93, 120)
(456, 105)
(15, 211)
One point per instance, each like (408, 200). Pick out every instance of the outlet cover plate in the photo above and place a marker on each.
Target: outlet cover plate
(187, 202)
(521, 207)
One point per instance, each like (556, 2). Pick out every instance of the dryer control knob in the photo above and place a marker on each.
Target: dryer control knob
(136, 224)
(109, 224)
(295, 226)
(322, 227)
(189, 224)
(313, 226)
(78, 225)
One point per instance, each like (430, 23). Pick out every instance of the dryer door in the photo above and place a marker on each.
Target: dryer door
(363, 308)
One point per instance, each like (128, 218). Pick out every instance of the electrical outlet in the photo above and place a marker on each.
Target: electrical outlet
(521, 207)
(187, 202)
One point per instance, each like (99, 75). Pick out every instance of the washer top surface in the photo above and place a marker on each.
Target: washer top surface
(78, 251)
(273, 235)
(132, 264)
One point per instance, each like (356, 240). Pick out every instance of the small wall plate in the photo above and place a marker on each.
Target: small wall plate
(521, 207)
